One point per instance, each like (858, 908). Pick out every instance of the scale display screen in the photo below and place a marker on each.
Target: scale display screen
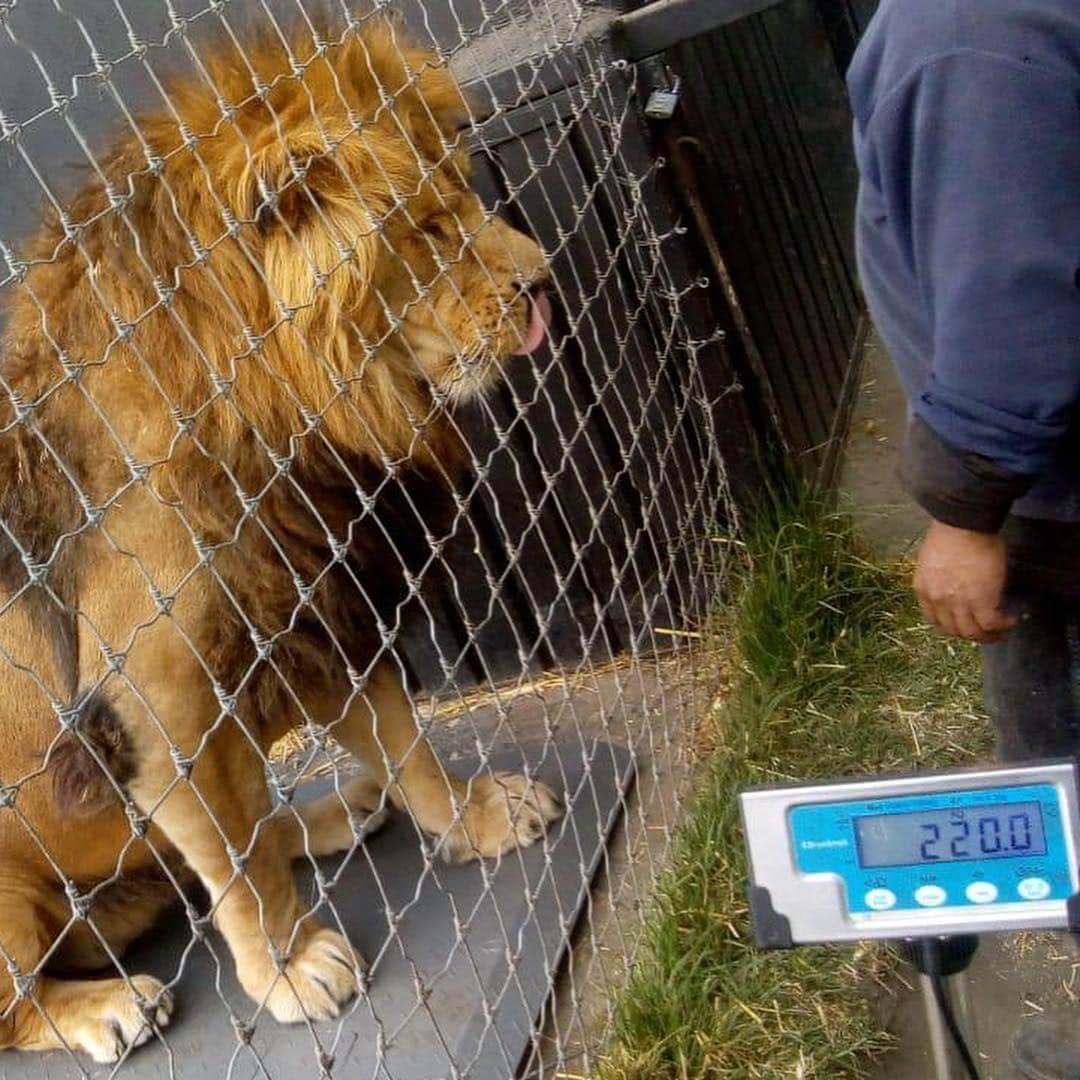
(1002, 831)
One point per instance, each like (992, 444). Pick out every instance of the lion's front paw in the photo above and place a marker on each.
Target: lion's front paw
(320, 977)
(503, 811)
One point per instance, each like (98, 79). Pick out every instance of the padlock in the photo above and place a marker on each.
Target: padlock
(661, 104)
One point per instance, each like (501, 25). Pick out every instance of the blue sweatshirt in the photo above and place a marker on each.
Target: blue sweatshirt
(967, 136)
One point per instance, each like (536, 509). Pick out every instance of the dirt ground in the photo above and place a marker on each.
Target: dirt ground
(1012, 976)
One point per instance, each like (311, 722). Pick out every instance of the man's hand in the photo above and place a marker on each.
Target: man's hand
(959, 578)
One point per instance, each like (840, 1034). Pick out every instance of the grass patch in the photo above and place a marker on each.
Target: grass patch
(835, 676)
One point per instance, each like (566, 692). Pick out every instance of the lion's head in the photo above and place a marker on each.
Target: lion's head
(344, 169)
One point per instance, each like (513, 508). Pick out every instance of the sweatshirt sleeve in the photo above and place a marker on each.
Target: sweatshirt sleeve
(978, 160)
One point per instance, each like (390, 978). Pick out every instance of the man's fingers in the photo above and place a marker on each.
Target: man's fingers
(993, 623)
(992, 620)
(984, 626)
(936, 613)
(941, 616)
(965, 626)
(960, 620)
(927, 610)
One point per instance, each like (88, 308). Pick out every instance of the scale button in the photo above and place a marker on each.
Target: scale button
(930, 896)
(982, 892)
(1034, 888)
(880, 899)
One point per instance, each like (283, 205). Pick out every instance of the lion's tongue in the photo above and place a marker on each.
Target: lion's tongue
(539, 321)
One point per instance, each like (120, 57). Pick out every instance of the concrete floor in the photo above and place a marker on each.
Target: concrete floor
(1012, 976)
(889, 520)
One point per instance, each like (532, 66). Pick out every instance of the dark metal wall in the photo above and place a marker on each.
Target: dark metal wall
(602, 487)
(765, 142)
(602, 466)
(845, 21)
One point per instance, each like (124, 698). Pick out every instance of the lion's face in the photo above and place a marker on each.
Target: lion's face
(468, 290)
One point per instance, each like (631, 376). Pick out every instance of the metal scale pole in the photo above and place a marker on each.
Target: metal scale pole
(948, 958)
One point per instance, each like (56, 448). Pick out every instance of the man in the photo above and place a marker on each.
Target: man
(967, 134)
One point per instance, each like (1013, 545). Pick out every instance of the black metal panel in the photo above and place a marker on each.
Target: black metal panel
(766, 131)
(845, 21)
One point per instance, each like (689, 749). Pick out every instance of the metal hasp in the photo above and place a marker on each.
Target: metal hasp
(662, 24)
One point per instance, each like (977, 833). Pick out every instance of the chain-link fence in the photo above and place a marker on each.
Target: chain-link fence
(335, 496)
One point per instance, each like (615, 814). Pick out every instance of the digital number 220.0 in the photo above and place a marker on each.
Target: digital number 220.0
(991, 840)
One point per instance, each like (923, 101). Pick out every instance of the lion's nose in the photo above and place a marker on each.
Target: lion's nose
(535, 281)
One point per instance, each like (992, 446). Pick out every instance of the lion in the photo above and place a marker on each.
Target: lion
(227, 457)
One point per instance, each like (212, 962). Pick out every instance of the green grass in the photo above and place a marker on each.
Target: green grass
(835, 675)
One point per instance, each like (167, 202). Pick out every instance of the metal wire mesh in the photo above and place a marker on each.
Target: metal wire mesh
(301, 477)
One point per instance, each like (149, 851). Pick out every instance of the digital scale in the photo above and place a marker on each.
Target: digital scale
(926, 858)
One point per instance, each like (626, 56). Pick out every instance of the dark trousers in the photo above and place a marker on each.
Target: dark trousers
(1031, 681)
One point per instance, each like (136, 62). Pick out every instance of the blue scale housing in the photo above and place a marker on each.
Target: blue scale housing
(941, 850)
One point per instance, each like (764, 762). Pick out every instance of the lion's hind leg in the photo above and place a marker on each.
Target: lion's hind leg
(120, 912)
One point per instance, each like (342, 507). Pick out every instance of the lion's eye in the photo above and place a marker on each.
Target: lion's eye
(442, 230)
